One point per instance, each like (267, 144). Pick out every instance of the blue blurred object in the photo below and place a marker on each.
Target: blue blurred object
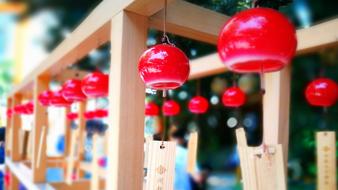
(60, 146)
(182, 178)
(233, 160)
(303, 12)
(54, 175)
(95, 126)
(21, 187)
(2, 154)
(1, 181)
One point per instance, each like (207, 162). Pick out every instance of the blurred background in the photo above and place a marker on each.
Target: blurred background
(30, 29)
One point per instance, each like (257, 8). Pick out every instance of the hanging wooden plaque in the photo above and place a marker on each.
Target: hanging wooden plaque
(261, 167)
(192, 152)
(326, 160)
(161, 166)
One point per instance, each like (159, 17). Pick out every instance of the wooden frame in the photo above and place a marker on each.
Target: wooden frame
(124, 23)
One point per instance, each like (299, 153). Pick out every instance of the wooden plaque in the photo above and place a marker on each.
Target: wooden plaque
(161, 166)
(261, 170)
(192, 152)
(326, 160)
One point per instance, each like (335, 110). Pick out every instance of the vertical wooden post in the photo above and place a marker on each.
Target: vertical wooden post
(40, 121)
(67, 133)
(126, 102)
(81, 136)
(15, 133)
(276, 105)
(8, 127)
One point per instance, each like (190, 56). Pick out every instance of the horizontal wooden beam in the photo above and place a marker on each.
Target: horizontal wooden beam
(319, 36)
(17, 8)
(85, 166)
(206, 66)
(24, 175)
(90, 34)
(191, 21)
(311, 39)
(79, 184)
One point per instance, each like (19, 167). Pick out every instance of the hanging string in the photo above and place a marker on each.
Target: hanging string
(198, 87)
(324, 124)
(262, 81)
(165, 38)
(234, 79)
(164, 132)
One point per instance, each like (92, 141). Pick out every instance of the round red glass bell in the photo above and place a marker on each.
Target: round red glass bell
(100, 113)
(170, 108)
(45, 97)
(233, 97)
(198, 105)
(322, 92)
(19, 109)
(257, 40)
(72, 91)
(152, 109)
(89, 115)
(164, 67)
(72, 116)
(58, 100)
(28, 108)
(95, 85)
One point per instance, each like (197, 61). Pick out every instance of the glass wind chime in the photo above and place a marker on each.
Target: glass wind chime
(163, 67)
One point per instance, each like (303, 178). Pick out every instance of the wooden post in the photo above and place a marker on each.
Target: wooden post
(126, 102)
(9, 127)
(192, 152)
(276, 105)
(67, 133)
(71, 156)
(15, 133)
(94, 181)
(40, 121)
(326, 160)
(81, 136)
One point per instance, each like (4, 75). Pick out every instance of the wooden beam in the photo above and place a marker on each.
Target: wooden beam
(309, 40)
(79, 184)
(317, 37)
(16, 8)
(70, 74)
(276, 109)
(23, 174)
(191, 21)
(16, 125)
(144, 7)
(126, 109)
(88, 168)
(40, 121)
(90, 34)
(206, 66)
